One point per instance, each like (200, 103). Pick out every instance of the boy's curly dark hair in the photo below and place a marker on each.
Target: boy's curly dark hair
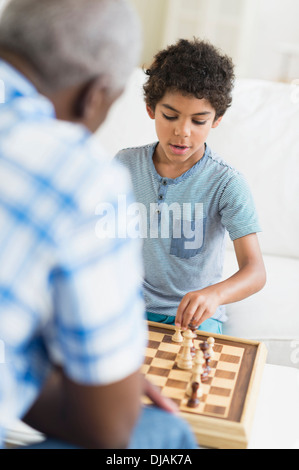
(194, 68)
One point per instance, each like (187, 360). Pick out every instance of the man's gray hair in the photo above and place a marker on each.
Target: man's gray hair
(69, 42)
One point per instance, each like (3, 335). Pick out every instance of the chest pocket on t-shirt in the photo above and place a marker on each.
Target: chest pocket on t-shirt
(188, 237)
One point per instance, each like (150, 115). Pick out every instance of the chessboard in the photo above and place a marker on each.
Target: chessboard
(224, 415)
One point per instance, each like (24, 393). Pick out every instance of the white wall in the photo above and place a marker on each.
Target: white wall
(152, 15)
(271, 25)
(277, 24)
(2, 4)
(267, 25)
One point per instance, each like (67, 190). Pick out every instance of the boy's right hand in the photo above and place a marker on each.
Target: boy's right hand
(197, 306)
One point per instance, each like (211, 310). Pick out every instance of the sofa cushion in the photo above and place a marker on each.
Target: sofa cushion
(259, 136)
(271, 315)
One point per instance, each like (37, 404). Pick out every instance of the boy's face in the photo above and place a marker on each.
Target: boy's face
(182, 125)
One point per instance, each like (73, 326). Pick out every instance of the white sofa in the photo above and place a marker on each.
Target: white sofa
(259, 135)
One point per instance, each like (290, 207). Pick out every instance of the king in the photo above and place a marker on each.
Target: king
(185, 359)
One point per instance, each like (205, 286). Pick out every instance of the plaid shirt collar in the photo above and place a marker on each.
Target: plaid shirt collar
(15, 85)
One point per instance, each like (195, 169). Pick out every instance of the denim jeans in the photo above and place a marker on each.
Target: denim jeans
(158, 429)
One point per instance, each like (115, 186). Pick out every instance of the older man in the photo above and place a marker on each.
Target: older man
(71, 313)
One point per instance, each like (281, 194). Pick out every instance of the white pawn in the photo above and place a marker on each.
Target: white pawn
(197, 370)
(211, 343)
(185, 359)
(177, 336)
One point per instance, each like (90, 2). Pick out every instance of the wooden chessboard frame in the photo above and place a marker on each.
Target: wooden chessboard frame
(232, 432)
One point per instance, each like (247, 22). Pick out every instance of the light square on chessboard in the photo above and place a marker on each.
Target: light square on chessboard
(222, 383)
(180, 374)
(156, 335)
(144, 368)
(228, 367)
(162, 363)
(232, 350)
(158, 380)
(170, 347)
(174, 393)
(218, 400)
(149, 352)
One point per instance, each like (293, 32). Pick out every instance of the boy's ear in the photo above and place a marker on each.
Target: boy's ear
(217, 122)
(150, 112)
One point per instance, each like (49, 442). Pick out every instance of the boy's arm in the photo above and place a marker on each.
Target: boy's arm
(198, 306)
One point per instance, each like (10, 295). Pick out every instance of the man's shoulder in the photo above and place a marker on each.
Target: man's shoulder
(68, 160)
(44, 135)
(52, 144)
(64, 134)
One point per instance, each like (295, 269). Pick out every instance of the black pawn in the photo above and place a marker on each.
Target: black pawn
(192, 349)
(204, 346)
(193, 401)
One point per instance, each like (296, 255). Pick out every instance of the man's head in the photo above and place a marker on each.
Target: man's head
(74, 45)
(193, 68)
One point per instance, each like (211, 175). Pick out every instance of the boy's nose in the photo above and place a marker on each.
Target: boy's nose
(182, 129)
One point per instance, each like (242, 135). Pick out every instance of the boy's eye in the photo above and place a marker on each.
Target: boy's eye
(199, 123)
(173, 118)
(170, 118)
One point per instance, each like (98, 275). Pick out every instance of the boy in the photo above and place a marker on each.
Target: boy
(190, 191)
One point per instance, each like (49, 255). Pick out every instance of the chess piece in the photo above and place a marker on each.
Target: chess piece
(185, 359)
(177, 336)
(211, 343)
(204, 346)
(193, 329)
(193, 401)
(197, 370)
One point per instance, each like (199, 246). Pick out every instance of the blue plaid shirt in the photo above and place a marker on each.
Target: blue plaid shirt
(67, 295)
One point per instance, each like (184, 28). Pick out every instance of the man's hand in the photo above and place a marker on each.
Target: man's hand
(153, 393)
